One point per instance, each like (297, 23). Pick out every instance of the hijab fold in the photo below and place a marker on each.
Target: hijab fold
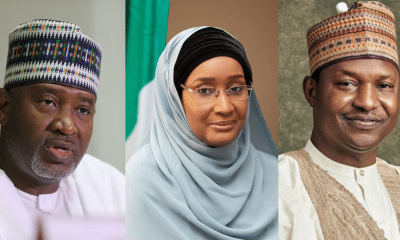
(180, 188)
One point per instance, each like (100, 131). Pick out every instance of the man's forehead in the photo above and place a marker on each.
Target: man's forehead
(379, 68)
(57, 89)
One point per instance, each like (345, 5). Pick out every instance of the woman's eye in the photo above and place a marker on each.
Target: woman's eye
(205, 91)
(235, 89)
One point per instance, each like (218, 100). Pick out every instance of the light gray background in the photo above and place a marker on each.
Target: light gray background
(295, 17)
(103, 21)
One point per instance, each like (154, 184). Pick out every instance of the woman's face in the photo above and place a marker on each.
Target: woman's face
(216, 123)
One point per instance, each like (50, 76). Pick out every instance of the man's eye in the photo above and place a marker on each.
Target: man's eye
(346, 84)
(385, 85)
(84, 111)
(48, 102)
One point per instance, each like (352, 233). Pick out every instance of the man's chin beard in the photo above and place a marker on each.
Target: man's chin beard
(40, 170)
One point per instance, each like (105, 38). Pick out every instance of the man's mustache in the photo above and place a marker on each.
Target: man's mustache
(62, 141)
(363, 116)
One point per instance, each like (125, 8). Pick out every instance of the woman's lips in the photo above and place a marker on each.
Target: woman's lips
(223, 125)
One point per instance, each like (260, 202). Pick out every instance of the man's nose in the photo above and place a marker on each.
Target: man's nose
(64, 123)
(367, 98)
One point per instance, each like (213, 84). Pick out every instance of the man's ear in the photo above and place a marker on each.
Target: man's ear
(310, 90)
(4, 106)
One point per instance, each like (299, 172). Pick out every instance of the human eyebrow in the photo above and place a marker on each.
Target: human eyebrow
(349, 73)
(236, 76)
(89, 100)
(384, 76)
(46, 89)
(204, 79)
(212, 79)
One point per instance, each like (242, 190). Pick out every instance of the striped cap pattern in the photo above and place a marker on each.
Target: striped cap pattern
(49, 51)
(367, 30)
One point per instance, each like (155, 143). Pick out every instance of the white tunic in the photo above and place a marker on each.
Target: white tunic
(53, 204)
(95, 189)
(297, 216)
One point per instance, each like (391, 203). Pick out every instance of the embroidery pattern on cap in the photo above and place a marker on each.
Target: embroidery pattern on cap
(51, 51)
(366, 31)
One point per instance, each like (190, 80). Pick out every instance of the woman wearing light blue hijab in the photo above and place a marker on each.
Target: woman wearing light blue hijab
(209, 168)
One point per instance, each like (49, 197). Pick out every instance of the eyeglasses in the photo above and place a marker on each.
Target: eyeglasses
(210, 94)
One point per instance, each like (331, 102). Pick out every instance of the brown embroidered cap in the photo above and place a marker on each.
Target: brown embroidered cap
(366, 30)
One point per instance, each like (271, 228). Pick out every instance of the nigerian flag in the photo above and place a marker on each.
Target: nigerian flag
(146, 34)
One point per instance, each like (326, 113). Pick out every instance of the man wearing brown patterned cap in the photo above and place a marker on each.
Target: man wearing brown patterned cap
(46, 115)
(336, 187)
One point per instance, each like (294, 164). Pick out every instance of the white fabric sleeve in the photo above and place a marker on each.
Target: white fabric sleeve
(297, 216)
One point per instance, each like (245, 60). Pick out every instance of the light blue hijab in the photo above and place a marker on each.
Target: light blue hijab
(180, 188)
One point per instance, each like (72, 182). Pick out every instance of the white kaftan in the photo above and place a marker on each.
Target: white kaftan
(95, 189)
(297, 216)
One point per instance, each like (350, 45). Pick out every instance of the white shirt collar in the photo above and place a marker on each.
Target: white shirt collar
(338, 168)
(46, 203)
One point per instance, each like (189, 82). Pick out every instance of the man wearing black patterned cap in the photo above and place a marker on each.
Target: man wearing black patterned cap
(46, 115)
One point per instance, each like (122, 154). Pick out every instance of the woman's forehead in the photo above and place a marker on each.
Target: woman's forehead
(217, 69)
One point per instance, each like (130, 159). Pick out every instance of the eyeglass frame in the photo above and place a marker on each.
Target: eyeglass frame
(249, 89)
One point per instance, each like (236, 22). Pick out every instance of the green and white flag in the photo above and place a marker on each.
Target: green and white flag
(146, 35)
